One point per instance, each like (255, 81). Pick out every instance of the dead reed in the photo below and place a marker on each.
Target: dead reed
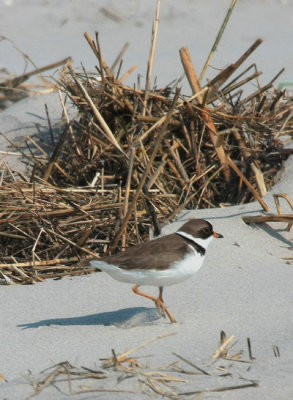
(133, 159)
(123, 374)
(15, 89)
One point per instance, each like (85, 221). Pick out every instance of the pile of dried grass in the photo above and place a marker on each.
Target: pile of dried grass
(133, 159)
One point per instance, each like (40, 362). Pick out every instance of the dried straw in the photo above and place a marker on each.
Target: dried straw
(133, 159)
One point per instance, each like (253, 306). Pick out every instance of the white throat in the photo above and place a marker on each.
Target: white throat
(201, 242)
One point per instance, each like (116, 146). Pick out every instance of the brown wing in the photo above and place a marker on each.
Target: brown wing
(160, 253)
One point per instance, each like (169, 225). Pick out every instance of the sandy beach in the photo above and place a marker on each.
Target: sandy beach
(245, 285)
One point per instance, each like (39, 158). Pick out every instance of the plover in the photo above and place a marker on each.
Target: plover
(161, 262)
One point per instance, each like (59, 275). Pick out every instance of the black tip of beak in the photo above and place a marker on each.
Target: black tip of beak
(218, 235)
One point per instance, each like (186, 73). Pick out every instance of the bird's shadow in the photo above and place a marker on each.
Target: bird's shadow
(123, 318)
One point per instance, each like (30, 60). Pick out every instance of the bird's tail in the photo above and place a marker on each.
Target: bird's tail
(102, 266)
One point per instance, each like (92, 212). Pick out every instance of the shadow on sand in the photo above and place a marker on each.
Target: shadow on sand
(123, 318)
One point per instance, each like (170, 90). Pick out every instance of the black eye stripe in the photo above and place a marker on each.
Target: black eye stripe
(206, 232)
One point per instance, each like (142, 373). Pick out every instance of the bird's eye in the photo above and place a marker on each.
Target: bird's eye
(206, 231)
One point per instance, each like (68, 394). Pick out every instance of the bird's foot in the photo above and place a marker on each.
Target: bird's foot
(163, 310)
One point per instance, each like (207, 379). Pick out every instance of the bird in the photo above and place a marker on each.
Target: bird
(163, 261)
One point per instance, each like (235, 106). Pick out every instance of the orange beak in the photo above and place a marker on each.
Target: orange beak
(218, 235)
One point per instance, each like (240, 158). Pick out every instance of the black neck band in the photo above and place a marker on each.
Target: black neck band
(195, 245)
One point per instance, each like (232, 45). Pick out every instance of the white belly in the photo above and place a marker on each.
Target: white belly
(178, 272)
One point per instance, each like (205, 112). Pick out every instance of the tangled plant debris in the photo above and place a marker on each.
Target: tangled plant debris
(133, 159)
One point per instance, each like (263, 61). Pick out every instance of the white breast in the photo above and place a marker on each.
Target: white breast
(187, 267)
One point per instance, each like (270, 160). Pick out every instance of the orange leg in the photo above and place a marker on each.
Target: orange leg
(159, 302)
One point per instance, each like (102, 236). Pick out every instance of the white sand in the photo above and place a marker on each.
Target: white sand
(244, 287)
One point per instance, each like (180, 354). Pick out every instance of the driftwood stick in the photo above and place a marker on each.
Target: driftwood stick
(12, 83)
(96, 49)
(119, 56)
(126, 75)
(257, 219)
(55, 154)
(22, 274)
(127, 189)
(69, 125)
(218, 38)
(230, 87)
(263, 89)
(248, 184)
(222, 77)
(103, 65)
(256, 170)
(52, 262)
(195, 86)
(224, 345)
(190, 71)
(177, 161)
(273, 218)
(151, 56)
(97, 114)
